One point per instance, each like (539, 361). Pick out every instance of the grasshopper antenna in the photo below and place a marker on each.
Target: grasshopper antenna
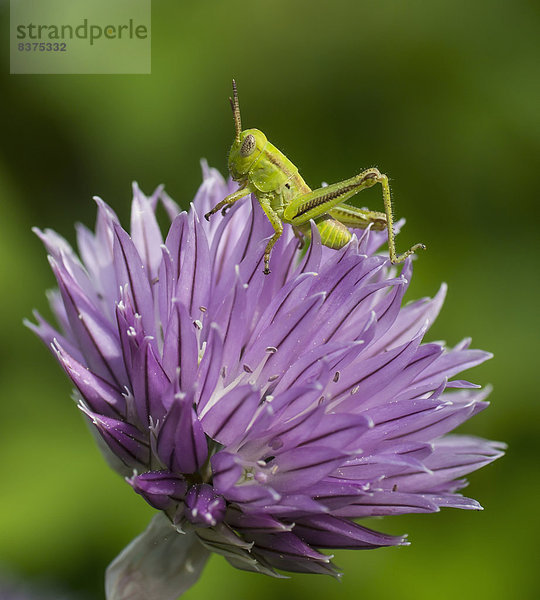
(236, 111)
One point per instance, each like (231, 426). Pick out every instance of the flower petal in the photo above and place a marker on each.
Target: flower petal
(145, 232)
(326, 531)
(94, 333)
(299, 468)
(101, 396)
(181, 443)
(180, 347)
(193, 283)
(131, 272)
(125, 440)
(161, 489)
(228, 419)
(203, 506)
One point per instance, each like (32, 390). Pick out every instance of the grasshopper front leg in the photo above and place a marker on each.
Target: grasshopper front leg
(228, 201)
(274, 219)
(319, 202)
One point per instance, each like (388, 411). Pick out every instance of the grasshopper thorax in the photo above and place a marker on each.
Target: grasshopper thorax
(245, 150)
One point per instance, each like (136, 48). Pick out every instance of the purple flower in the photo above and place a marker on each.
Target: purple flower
(262, 415)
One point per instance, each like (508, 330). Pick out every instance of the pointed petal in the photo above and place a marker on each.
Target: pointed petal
(287, 551)
(375, 378)
(125, 440)
(227, 420)
(95, 335)
(169, 269)
(453, 501)
(339, 431)
(450, 363)
(260, 523)
(180, 348)
(48, 334)
(149, 384)
(312, 259)
(229, 311)
(293, 506)
(287, 544)
(130, 271)
(302, 467)
(203, 506)
(103, 256)
(193, 283)
(62, 252)
(145, 232)
(334, 357)
(326, 531)
(226, 469)
(387, 502)
(293, 295)
(239, 245)
(101, 396)
(171, 208)
(288, 336)
(252, 496)
(161, 489)
(209, 368)
(410, 320)
(181, 443)
(418, 419)
(453, 456)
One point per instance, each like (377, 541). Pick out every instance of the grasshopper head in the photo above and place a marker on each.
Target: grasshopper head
(245, 150)
(247, 145)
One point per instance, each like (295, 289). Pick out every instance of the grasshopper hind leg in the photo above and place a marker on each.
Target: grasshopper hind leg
(359, 218)
(332, 198)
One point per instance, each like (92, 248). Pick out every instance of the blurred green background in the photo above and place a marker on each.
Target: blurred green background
(444, 97)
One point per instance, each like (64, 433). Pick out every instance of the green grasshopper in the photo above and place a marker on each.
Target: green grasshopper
(261, 169)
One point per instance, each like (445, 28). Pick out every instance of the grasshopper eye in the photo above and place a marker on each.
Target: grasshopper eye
(248, 145)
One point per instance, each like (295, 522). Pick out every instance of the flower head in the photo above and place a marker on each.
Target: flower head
(261, 414)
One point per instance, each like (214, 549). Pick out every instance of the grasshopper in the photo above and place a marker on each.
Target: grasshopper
(261, 169)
